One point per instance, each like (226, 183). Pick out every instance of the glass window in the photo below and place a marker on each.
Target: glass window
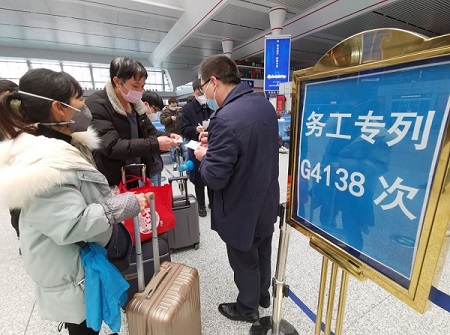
(101, 76)
(187, 86)
(154, 77)
(51, 65)
(90, 76)
(157, 80)
(81, 72)
(167, 82)
(13, 69)
(154, 87)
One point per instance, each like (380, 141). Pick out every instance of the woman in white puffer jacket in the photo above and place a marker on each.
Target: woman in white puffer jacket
(47, 171)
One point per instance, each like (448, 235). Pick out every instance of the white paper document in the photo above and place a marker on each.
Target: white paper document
(193, 144)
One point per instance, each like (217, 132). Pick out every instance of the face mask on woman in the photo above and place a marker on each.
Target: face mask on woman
(81, 119)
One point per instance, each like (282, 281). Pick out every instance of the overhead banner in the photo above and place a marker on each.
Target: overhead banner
(277, 55)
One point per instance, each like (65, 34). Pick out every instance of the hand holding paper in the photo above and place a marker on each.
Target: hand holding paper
(193, 144)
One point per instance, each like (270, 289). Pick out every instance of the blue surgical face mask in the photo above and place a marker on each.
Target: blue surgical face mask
(212, 103)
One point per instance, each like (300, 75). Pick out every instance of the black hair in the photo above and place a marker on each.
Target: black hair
(7, 85)
(221, 67)
(172, 100)
(58, 86)
(125, 68)
(196, 85)
(153, 99)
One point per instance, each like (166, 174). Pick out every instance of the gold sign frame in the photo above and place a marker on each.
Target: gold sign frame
(352, 56)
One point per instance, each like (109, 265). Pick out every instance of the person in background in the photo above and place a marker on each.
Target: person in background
(7, 87)
(153, 104)
(170, 118)
(192, 116)
(119, 116)
(239, 162)
(62, 197)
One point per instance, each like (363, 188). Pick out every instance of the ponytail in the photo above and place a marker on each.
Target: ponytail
(13, 122)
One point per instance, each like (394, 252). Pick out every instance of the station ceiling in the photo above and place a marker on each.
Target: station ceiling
(177, 34)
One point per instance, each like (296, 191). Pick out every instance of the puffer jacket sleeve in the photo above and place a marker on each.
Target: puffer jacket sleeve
(120, 207)
(63, 215)
(112, 145)
(166, 118)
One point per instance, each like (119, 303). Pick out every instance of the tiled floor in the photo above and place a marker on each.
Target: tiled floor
(369, 310)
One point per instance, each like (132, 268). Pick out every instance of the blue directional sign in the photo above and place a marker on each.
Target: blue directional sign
(277, 54)
(368, 148)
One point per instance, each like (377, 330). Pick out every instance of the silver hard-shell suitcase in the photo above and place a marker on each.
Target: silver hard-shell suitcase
(187, 228)
(170, 303)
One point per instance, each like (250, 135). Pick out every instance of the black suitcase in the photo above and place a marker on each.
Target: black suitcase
(147, 253)
(187, 229)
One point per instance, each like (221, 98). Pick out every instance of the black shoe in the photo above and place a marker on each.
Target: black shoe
(229, 310)
(265, 303)
(201, 211)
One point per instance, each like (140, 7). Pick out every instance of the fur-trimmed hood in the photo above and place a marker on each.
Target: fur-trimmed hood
(88, 138)
(31, 165)
(118, 108)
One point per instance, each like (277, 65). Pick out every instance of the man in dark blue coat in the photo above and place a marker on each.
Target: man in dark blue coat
(192, 116)
(239, 162)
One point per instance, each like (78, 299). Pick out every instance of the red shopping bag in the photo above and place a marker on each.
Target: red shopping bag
(163, 204)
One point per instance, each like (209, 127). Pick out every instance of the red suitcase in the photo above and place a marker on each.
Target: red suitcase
(170, 303)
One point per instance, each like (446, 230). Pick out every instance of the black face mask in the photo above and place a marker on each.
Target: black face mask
(82, 119)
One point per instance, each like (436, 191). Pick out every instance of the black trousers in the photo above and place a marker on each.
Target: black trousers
(200, 194)
(252, 273)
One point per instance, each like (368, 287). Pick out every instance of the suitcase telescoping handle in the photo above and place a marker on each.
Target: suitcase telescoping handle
(150, 197)
(130, 166)
(186, 196)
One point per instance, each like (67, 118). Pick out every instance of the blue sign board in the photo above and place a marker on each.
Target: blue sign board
(277, 53)
(368, 148)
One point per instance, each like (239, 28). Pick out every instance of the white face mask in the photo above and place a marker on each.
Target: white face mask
(152, 117)
(173, 109)
(201, 99)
